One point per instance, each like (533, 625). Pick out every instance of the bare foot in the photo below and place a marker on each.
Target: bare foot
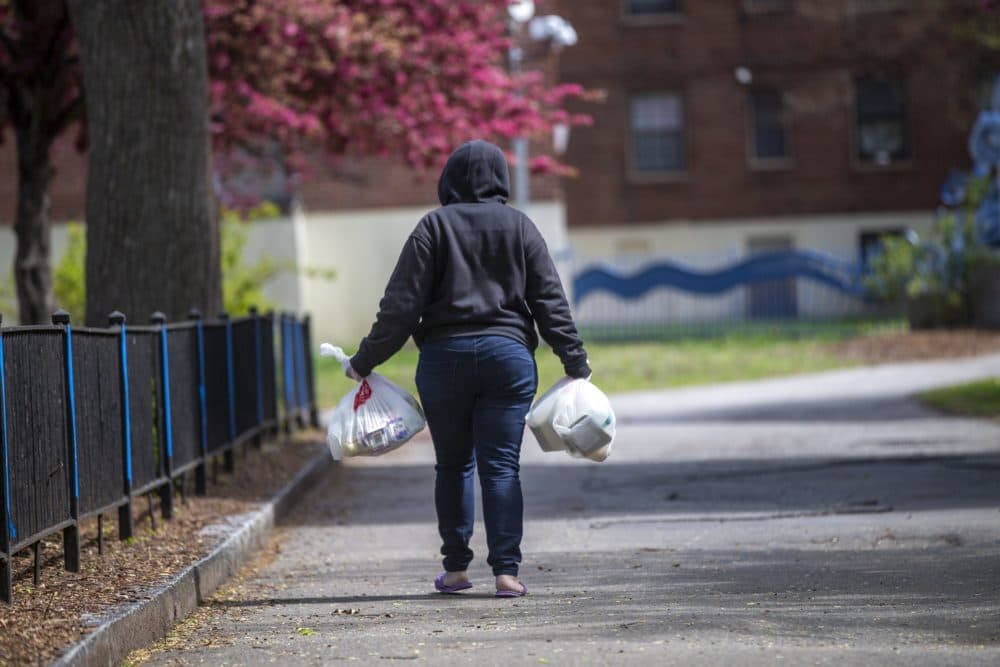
(508, 582)
(452, 579)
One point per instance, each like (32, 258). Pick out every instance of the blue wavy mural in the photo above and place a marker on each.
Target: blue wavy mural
(830, 271)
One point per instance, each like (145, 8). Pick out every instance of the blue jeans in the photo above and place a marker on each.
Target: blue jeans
(476, 392)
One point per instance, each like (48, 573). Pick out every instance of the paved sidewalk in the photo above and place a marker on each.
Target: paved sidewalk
(823, 519)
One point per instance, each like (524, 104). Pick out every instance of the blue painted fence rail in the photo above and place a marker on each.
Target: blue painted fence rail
(91, 418)
(765, 267)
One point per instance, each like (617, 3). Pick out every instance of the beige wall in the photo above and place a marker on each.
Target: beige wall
(363, 246)
(709, 239)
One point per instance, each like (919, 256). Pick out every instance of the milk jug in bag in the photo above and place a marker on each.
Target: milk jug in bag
(576, 417)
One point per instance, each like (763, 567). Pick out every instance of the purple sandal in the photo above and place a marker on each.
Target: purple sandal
(506, 593)
(445, 588)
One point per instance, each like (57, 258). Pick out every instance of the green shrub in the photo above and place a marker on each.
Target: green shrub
(69, 277)
(934, 276)
(8, 300)
(242, 283)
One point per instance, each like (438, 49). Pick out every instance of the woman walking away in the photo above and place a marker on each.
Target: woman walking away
(473, 280)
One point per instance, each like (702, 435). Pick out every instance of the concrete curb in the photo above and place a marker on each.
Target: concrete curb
(143, 623)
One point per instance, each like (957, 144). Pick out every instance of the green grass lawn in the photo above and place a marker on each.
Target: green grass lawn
(975, 399)
(635, 366)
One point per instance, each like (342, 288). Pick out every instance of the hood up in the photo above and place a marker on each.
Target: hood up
(476, 173)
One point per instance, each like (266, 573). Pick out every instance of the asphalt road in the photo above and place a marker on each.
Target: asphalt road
(822, 519)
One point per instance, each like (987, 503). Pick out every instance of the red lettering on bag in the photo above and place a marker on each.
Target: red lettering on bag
(364, 393)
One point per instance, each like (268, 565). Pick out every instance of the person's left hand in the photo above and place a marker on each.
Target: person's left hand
(353, 374)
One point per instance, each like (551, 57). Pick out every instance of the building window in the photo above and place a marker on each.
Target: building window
(881, 121)
(772, 299)
(647, 7)
(657, 132)
(768, 128)
(765, 6)
(868, 6)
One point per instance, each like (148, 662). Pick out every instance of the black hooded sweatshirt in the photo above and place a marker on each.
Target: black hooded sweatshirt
(472, 267)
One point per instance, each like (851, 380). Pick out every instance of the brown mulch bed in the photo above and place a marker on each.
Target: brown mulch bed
(44, 621)
(918, 346)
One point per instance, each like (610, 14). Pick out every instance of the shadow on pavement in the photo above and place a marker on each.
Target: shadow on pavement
(805, 486)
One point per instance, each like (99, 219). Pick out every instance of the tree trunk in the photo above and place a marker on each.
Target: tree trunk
(152, 233)
(32, 269)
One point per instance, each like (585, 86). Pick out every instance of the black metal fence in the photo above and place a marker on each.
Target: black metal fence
(92, 418)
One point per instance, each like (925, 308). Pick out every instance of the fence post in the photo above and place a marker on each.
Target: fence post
(7, 531)
(71, 534)
(272, 320)
(258, 375)
(310, 371)
(230, 455)
(301, 379)
(201, 471)
(126, 526)
(287, 374)
(166, 491)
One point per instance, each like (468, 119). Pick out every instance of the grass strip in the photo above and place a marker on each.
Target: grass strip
(638, 366)
(974, 399)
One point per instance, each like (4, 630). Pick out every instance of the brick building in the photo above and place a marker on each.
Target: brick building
(763, 123)
(729, 126)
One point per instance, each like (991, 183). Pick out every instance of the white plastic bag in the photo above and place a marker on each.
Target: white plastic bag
(375, 417)
(576, 417)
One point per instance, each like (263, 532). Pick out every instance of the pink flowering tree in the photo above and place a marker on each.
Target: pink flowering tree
(289, 81)
(404, 79)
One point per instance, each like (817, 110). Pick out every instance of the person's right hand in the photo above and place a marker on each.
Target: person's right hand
(353, 374)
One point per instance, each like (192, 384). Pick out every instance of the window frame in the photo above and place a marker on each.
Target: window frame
(864, 7)
(658, 18)
(754, 162)
(639, 176)
(859, 164)
(768, 7)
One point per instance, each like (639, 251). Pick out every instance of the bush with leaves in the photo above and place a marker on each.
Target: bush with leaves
(69, 285)
(242, 283)
(934, 276)
(8, 299)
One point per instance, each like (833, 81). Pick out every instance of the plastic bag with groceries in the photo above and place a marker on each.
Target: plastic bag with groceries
(374, 418)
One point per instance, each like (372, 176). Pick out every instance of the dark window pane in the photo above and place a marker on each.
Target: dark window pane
(657, 123)
(767, 5)
(767, 117)
(659, 151)
(882, 134)
(654, 6)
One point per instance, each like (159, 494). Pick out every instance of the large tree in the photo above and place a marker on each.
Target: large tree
(152, 233)
(292, 82)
